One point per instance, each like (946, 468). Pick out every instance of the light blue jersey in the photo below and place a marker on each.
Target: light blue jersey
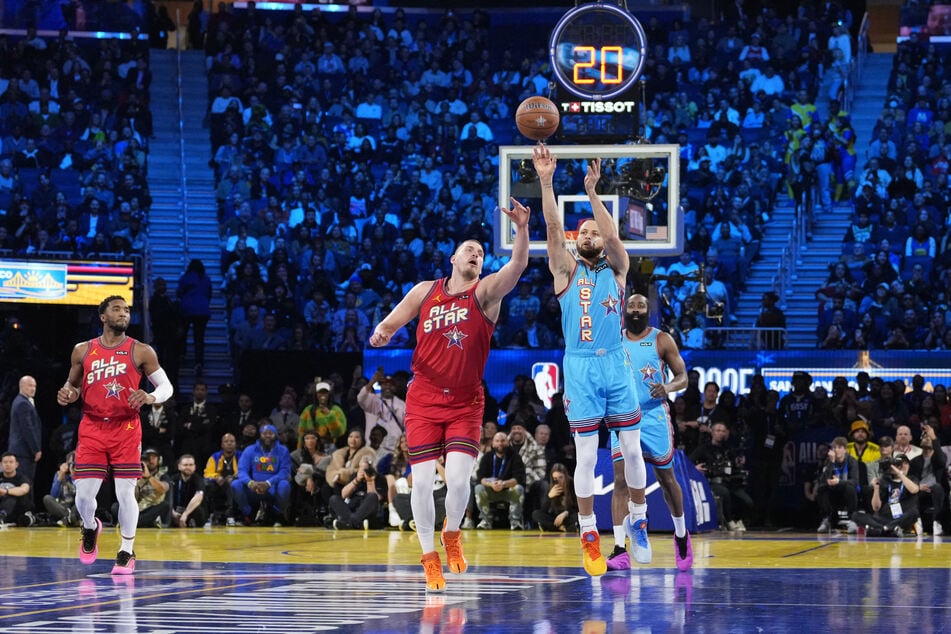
(657, 432)
(592, 308)
(598, 379)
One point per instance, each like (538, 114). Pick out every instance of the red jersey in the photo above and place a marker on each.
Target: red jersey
(109, 377)
(452, 339)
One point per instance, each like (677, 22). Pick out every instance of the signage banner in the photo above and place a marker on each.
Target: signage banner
(74, 282)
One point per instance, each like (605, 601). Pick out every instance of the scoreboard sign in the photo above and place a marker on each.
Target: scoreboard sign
(597, 51)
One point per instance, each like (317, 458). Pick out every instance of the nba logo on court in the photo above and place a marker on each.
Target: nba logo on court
(546, 378)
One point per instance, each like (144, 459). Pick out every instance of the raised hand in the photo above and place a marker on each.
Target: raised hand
(544, 162)
(519, 213)
(593, 175)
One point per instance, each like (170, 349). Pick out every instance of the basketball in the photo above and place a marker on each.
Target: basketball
(537, 118)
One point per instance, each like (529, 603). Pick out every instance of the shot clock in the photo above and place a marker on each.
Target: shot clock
(597, 51)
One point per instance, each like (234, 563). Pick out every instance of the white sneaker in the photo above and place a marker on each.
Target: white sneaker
(230, 521)
(851, 527)
(824, 527)
(467, 524)
(484, 525)
(740, 526)
(937, 529)
(395, 519)
(919, 527)
(731, 525)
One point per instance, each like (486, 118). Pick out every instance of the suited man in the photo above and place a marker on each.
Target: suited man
(198, 421)
(26, 429)
(94, 220)
(233, 422)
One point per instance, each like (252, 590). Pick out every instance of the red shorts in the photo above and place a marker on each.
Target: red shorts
(439, 421)
(116, 444)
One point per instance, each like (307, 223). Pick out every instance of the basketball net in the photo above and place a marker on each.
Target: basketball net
(571, 242)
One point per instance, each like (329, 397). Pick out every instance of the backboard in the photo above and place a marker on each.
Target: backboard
(640, 186)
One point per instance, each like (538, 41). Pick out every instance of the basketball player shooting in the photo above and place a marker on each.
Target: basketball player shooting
(599, 382)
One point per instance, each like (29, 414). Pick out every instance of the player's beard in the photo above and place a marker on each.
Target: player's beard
(636, 323)
(117, 328)
(588, 253)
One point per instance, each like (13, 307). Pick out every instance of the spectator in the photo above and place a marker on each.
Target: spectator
(358, 503)
(187, 502)
(934, 477)
(323, 417)
(534, 462)
(385, 409)
(838, 486)
(198, 421)
(16, 504)
(263, 479)
(309, 466)
(194, 295)
(559, 511)
(60, 503)
(894, 489)
(284, 418)
(725, 470)
(344, 461)
(501, 478)
(220, 471)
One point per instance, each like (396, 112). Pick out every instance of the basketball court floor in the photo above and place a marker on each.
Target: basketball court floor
(253, 580)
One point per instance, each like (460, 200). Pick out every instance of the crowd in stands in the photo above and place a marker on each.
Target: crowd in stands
(889, 290)
(75, 127)
(352, 152)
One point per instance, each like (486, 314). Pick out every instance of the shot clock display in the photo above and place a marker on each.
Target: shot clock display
(597, 51)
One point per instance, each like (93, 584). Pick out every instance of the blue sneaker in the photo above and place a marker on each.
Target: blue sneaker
(637, 531)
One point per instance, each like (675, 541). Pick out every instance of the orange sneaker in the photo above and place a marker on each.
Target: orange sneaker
(594, 562)
(435, 582)
(452, 542)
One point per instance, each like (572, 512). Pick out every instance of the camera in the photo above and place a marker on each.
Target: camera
(370, 472)
(885, 465)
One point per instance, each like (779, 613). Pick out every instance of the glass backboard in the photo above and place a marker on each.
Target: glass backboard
(640, 186)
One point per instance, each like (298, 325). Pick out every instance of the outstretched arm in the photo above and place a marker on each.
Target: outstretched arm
(613, 247)
(560, 261)
(400, 315)
(499, 284)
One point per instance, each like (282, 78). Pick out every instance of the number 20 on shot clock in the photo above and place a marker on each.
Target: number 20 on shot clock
(597, 51)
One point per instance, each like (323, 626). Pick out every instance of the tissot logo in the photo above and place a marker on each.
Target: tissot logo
(589, 107)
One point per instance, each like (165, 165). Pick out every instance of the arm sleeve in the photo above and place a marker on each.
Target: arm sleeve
(163, 387)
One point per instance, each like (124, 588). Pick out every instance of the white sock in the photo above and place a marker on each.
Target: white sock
(680, 525)
(620, 536)
(127, 544)
(587, 522)
(637, 511)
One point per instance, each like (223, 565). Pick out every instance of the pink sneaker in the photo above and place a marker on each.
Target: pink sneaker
(125, 563)
(683, 552)
(619, 559)
(89, 544)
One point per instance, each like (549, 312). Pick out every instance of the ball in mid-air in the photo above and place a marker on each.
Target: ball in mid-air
(537, 118)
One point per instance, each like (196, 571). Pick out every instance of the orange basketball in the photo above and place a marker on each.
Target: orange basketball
(537, 118)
